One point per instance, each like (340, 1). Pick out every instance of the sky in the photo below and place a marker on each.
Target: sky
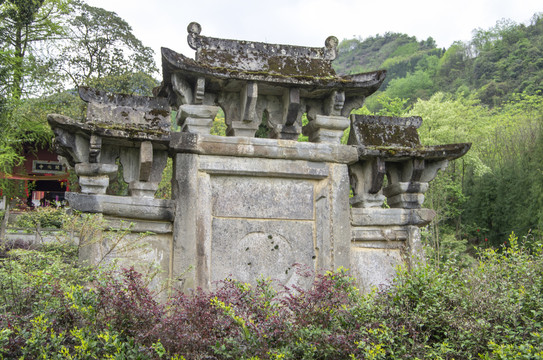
(163, 23)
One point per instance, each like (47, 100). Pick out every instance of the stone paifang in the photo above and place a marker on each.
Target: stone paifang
(247, 207)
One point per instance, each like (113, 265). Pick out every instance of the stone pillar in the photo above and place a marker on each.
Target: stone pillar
(326, 129)
(197, 119)
(94, 177)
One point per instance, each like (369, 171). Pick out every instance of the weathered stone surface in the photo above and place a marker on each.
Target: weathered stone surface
(385, 131)
(128, 243)
(96, 169)
(326, 129)
(94, 184)
(262, 198)
(224, 201)
(94, 177)
(245, 207)
(266, 168)
(390, 217)
(249, 249)
(252, 80)
(375, 267)
(196, 119)
(250, 56)
(379, 233)
(146, 160)
(130, 111)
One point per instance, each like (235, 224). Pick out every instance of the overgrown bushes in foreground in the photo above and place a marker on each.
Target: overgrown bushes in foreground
(50, 308)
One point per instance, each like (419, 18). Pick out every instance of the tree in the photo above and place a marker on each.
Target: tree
(81, 45)
(100, 45)
(26, 26)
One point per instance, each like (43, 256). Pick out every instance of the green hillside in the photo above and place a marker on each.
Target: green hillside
(493, 65)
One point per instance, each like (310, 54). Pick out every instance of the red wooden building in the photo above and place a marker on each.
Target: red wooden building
(42, 177)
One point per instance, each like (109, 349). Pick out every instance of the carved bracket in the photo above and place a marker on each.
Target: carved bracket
(408, 181)
(367, 181)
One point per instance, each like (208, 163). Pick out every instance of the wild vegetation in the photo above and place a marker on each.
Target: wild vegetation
(52, 307)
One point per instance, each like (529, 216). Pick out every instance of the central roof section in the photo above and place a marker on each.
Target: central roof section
(248, 79)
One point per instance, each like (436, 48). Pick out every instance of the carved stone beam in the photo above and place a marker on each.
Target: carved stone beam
(291, 103)
(366, 178)
(240, 110)
(95, 147)
(351, 104)
(142, 168)
(290, 126)
(73, 147)
(142, 187)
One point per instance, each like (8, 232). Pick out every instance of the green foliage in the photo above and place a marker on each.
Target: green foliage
(44, 217)
(496, 63)
(102, 51)
(25, 27)
(492, 310)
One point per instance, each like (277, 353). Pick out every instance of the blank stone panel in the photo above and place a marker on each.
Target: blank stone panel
(262, 198)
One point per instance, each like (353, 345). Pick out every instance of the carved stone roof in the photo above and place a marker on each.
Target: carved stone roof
(396, 138)
(220, 60)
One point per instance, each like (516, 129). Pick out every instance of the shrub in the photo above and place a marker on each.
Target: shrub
(493, 310)
(44, 217)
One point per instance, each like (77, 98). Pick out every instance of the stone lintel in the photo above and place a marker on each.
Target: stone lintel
(300, 169)
(126, 135)
(123, 206)
(138, 225)
(392, 217)
(264, 148)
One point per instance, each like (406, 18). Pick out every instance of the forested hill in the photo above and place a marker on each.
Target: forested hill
(497, 62)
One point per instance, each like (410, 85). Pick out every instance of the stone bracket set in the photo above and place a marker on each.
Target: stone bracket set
(407, 181)
(244, 111)
(106, 140)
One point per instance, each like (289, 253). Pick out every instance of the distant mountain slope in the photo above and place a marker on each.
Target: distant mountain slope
(497, 62)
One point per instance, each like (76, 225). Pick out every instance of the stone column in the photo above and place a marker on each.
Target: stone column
(197, 119)
(326, 129)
